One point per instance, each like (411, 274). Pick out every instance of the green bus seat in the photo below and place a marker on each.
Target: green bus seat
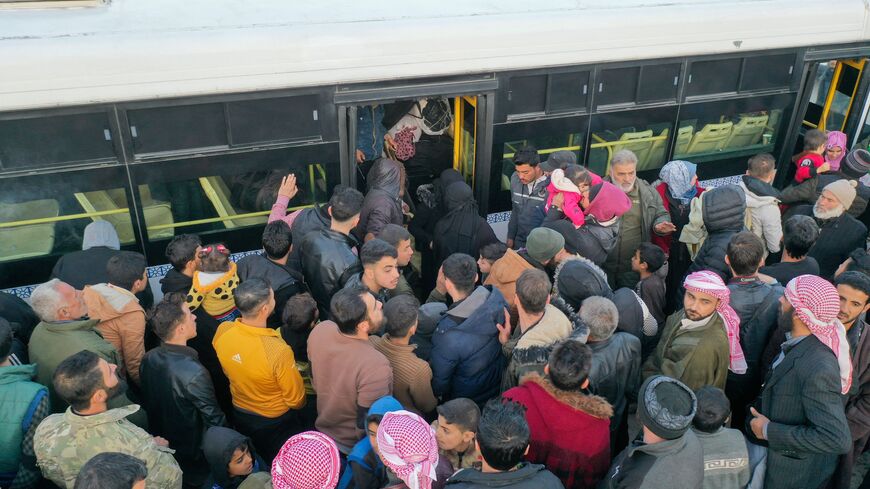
(746, 132)
(30, 239)
(710, 138)
(684, 137)
(658, 152)
(641, 149)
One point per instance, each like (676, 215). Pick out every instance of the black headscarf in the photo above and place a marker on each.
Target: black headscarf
(386, 176)
(456, 231)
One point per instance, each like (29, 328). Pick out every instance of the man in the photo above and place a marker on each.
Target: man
(177, 390)
(412, 377)
(114, 304)
(380, 273)
(112, 470)
(466, 355)
(799, 415)
(302, 221)
(757, 305)
(853, 166)
(668, 454)
(854, 291)
(615, 370)
(398, 237)
(840, 232)
(762, 200)
(570, 430)
(858, 261)
(545, 249)
(65, 442)
(347, 372)
(23, 405)
(503, 440)
(272, 266)
(23, 321)
(646, 216)
(528, 195)
(799, 234)
(694, 347)
(539, 327)
(267, 388)
(327, 255)
(455, 431)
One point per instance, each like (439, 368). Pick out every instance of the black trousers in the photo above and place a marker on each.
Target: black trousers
(267, 434)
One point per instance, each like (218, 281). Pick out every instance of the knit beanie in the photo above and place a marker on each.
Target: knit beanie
(856, 164)
(844, 191)
(578, 278)
(543, 244)
(666, 406)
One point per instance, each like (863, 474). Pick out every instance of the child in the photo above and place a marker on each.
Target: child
(811, 162)
(726, 459)
(407, 446)
(365, 470)
(648, 259)
(298, 319)
(488, 255)
(573, 184)
(231, 459)
(455, 431)
(213, 284)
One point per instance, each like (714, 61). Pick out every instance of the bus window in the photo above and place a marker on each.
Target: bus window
(645, 132)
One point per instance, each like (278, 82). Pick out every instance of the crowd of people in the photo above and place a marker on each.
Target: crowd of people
(390, 340)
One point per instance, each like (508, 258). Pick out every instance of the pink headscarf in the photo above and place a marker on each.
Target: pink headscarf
(708, 282)
(836, 139)
(308, 460)
(408, 447)
(816, 303)
(609, 204)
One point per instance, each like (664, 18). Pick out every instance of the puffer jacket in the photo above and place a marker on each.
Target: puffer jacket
(466, 355)
(122, 323)
(808, 192)
(724, 215)
(382, 204)
(530, 351)
(615, 374)
(762, 202)
(328, 261)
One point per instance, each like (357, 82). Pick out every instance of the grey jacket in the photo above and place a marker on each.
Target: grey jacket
(523, 207)
(672, 464)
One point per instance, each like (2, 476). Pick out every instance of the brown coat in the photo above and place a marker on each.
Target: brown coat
(505, 272)
(122, 323)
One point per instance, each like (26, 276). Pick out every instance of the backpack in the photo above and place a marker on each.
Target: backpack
(436, 115)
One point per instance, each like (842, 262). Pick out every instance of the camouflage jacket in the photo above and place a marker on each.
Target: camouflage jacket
(65, 442)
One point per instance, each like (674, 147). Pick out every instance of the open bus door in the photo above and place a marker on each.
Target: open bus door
(465, 136)
(834, 91)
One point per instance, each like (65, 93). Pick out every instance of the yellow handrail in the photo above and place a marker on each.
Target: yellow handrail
(219, 219)
(606, 144)
(68, 217)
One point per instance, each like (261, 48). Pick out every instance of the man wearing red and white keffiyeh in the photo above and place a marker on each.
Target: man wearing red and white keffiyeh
(309, 460)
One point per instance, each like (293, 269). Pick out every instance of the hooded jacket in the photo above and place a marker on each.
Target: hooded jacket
(365, 469)
(724, 214)
(570, 431)
(528, 352)
(504, 274)
(328, 261)
(762, 203)
(122, 323)
(218, 445)
(383, 202)
(674, 464)
(526, 476)
(466, 355)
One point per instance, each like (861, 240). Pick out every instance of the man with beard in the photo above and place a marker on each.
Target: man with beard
(799, 416)
(65, 442)
(646, 216)
(347, 372)
(700, 343)
(840, 233)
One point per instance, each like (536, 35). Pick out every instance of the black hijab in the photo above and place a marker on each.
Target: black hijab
(456, 231)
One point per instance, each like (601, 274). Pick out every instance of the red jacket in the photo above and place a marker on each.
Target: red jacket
(806, 163)
(570, 431)
(664, 242)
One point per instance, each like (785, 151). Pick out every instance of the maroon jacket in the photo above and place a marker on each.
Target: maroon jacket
(570, 431)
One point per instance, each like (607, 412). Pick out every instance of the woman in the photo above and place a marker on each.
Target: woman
(430, 208)
(835, 149)
(461, 230)
(383, 203)
(678, 185)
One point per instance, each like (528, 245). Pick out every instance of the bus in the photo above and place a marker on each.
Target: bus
(165, 117)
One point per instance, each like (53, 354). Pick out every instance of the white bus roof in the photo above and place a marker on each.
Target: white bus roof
(152, 49)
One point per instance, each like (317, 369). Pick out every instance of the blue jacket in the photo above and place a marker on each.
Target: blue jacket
(370, 131)
(466, 355)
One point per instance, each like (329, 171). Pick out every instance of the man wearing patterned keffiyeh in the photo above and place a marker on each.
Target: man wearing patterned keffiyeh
(407, 445)
(701, 342)
(309, 460)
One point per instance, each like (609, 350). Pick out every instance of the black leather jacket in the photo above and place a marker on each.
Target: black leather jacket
(757, 304)
(179, 398)
(328, 262)
(615, 372)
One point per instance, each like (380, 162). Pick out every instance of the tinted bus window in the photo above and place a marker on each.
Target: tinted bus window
(183, 127)
(275, 119)
(41, 142)
(714, 76)
(645, 132)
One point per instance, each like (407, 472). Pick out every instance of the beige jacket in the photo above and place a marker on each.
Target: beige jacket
(122, 323)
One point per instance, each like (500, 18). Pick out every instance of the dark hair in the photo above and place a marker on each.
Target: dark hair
(569, 363)
(527, 155)
(462, 412)
(713, 409)
(374, 250)
(745, 253)
(394, 234)
(299, 312)
(111, 470)
(345, 203)
(277, 239)
(374, 418)
(493, 251)
(761, 165)
(250, 295)
(165, 316)
(125, 268)
(77, 378)
(533, 290)
(401, 313)
(214, 258)
(348, 309)
(5, 339)
(652, 255)
(461, 270)
(813, 139)
(579, 175)
(503, 434)
(182, 249)
(857, 280)
(799, 234)
(860, 261)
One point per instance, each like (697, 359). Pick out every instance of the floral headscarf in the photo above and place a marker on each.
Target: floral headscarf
(679, 176)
